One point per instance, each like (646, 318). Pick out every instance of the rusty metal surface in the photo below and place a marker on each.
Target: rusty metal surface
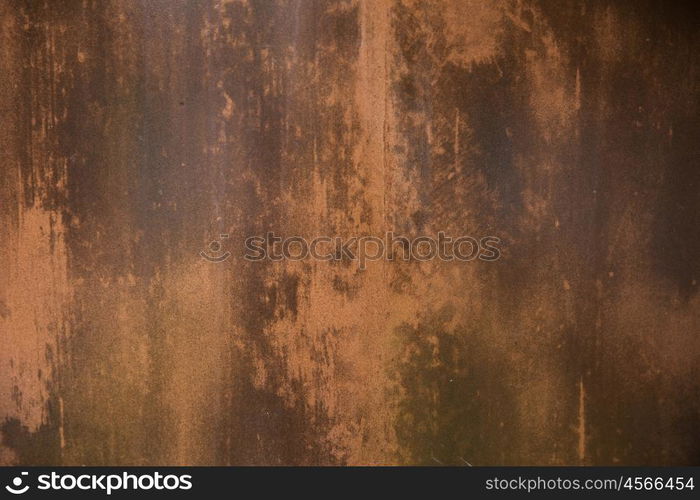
(136, 132)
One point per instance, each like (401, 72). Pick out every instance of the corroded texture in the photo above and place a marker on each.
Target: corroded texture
(135, 132)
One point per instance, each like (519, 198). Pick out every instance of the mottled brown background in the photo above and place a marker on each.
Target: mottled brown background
(135, 132)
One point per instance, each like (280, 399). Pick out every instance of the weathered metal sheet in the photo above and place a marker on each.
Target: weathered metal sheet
(136, 133)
